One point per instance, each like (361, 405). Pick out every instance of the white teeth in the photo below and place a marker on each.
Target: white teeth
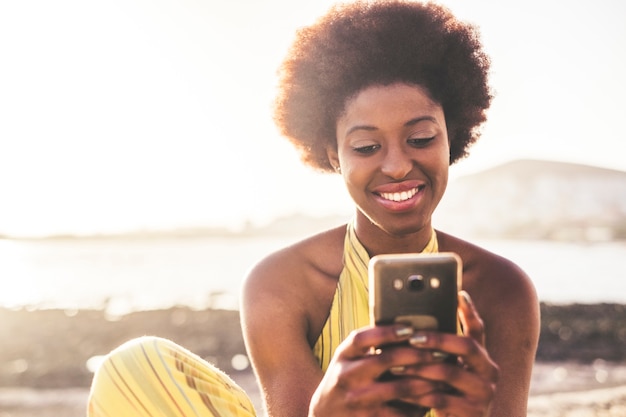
(397, 197)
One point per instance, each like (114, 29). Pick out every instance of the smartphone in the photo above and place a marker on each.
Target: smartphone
(419, 290)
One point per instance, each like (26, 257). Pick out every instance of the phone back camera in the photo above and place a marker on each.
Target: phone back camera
(416, 283)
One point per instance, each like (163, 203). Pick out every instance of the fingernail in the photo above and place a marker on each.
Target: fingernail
(404, 331)
(466, 298)
(418, 339)
(397, 370)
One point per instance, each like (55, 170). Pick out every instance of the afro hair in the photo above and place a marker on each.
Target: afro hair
(361, 44)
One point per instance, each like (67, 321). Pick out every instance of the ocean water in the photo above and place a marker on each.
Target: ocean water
(122, 275)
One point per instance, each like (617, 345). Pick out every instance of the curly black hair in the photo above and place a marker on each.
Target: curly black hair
(361, 44)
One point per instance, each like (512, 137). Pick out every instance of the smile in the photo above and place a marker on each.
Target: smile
(399, 197)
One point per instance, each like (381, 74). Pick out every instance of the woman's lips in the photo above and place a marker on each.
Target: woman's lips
(399, 196)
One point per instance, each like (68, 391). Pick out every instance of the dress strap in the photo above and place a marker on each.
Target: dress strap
(350, 307)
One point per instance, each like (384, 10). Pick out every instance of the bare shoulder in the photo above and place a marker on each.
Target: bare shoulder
(285, 301)
(301, 263)
(296, 279)
(506, 301)
(490, 279)
(503, 294)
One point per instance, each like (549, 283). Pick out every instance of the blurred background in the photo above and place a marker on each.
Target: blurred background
(141, 176)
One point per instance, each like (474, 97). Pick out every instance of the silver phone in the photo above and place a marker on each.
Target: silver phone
(419, 290)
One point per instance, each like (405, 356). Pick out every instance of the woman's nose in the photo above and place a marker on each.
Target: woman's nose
(396, 164)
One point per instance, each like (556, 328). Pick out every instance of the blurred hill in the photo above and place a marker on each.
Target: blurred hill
(522, 199)
(539, 200)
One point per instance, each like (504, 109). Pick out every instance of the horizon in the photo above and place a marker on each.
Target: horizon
(249, 228)
(126, 115)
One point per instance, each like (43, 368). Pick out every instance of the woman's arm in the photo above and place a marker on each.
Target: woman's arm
(506, 302)
(511, 317)
(286, 299)
(278, 310)
(275, 323)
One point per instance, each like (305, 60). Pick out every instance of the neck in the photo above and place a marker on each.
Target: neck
(378, 240)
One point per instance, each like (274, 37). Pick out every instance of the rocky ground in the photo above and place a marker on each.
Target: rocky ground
(45, 356)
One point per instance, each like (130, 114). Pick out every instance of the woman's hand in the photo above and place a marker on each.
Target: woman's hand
(352, 384)
(356, 381)
(473, 379)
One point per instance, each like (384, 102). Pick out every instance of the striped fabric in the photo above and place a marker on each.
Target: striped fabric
(150, 377)
(350, 308)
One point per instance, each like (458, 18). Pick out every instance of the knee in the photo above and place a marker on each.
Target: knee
(122, 358)
(140, 343)
(122, 371)
(132, 348)
(137, 347)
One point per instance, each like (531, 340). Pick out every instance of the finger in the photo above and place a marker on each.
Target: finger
(405, 389)
(359, 343)
(473, 354)
(419, 393)
(464, 382)
(453, 405)
(472, 323)
(360, 365)
(394, 359)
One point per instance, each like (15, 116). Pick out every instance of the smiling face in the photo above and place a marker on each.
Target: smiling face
(393, 152)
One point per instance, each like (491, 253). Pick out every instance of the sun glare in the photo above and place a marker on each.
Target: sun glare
(18, 290)
(124, 114)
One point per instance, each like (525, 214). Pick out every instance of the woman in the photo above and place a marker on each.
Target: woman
(386, 94)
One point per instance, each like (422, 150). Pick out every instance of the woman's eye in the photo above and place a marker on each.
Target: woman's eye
(420, 142)
(365, 150)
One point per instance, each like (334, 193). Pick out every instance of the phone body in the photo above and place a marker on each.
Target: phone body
(419, 290)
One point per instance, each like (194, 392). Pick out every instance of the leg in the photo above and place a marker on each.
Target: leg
(150, 376)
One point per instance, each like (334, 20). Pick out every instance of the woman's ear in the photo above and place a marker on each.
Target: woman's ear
(333, 158)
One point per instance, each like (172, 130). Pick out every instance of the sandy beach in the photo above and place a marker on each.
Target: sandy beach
(607, 401)
(45, 356)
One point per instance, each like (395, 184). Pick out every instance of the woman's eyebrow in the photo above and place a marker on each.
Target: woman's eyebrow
(367, 128)
(414, 121)
(420, 119)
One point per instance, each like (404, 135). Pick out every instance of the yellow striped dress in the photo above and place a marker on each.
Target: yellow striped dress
(350, 308)
(152, 376)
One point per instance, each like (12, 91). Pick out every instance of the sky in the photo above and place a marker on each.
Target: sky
(120, 115)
